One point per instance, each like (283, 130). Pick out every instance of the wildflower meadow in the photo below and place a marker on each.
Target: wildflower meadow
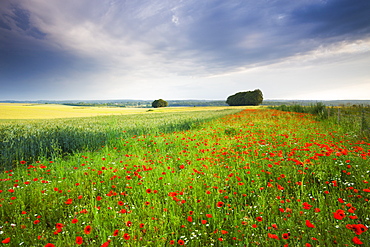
(258, 177)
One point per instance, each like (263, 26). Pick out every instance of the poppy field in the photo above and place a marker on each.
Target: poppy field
(259, 177)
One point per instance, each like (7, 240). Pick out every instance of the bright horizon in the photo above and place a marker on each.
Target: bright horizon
(182, 50)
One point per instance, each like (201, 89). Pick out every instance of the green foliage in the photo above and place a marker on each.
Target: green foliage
(159, 103)
(248, 98)
(318, 109)
(353, 119)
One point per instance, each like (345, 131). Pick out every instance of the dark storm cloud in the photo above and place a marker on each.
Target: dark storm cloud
(18, 18)
(229, 34)
(27, 58)
(340, 19)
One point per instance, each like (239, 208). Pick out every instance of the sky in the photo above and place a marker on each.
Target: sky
(184, 49)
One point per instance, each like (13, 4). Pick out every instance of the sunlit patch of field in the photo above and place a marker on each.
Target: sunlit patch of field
(49, 111)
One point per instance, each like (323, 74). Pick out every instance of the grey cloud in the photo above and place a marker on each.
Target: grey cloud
(278, 29)
(26, 55)
(217, 30)
(340, 19)
(15, 19)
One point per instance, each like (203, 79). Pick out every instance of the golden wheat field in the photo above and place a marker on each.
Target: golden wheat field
(50, 111)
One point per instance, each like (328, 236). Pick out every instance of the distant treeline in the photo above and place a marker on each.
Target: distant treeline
(148, 104)
(196, 103)
(112, 104)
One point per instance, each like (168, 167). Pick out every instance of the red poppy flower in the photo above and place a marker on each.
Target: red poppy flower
(106, 244)
(128, 223)
(190, 219)
(351, 210)
(359, 228)
(121, 203)
(115, 233)
(126, 236)
(306, 205)
(273, 236)
(309, 224)
(356, 240)
(148, 191)
(6, 241)
(74, 221)
(87, 229)
(259, 218)
(181, 242)
(219, 204)
(339, 214)
(285, 235)
(209, 215)
(49, 245)
(172, 242)
(79, 240)
(59, 225)
(349, 226)
(69, 201)
(204, 222)
(141, 225)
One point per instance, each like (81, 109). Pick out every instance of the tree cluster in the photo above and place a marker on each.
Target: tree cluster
(252, 98)
(159, 103)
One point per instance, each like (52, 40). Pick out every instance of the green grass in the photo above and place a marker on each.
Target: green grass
(353, 119)
(254, 178)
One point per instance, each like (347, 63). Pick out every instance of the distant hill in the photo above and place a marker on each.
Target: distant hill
(178, 103)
